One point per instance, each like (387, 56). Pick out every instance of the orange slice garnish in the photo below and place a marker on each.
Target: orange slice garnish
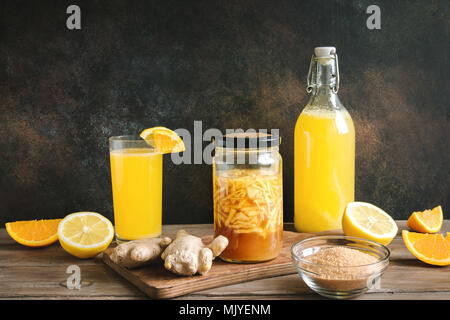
(163, 139)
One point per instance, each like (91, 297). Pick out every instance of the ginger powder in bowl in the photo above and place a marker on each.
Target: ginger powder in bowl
(339, 266)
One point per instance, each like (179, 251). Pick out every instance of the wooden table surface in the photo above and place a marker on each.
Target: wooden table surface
(41, 274)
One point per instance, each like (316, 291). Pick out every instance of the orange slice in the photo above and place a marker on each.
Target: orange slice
(163, 140)
(428, 221)
(430, 248)
(34, 233)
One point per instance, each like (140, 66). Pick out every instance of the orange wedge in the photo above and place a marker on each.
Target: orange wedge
(428, 221)
(34, 233)
(163, 140)
(430, 248)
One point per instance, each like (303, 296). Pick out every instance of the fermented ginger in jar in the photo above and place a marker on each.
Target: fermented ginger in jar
(248, 196)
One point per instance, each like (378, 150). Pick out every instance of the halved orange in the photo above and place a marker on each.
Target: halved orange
(430, 248)
(427, 221)
(163, 139)
(34, 233)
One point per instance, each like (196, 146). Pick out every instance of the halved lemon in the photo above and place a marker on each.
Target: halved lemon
(85, 234)
(427, 221)
(163, 139)
(34, 233)
(367, 221)
(430, 248)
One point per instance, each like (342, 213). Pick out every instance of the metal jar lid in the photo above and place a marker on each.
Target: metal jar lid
(248, 140)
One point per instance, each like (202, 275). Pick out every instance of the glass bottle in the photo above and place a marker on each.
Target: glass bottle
(324, 150)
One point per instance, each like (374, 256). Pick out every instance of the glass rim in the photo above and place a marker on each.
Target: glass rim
(130, 141)
(127, 138)
(384, 258)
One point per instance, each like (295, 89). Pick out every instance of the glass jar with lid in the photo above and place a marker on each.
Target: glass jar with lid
(248, 196)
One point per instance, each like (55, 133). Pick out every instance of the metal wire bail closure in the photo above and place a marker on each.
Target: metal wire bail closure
(336, 87)
(309, 86)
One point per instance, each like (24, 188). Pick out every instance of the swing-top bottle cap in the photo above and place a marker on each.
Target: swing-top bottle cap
(324, 52)
(328, 73)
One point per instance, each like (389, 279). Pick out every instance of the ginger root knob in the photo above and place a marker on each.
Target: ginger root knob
(140, 252)
(187, 255)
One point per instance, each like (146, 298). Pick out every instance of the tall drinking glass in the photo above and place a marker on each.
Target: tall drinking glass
(136, 174)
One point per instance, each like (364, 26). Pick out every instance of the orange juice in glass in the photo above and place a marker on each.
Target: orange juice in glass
(136, 174)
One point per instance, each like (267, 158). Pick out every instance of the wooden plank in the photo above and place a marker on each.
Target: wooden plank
(38, 274)
(313, 296)
(35, 281)
(310, 296)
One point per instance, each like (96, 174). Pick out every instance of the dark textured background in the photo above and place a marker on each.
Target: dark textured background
(231, 64)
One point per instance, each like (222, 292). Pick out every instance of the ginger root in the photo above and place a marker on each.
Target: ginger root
(140, 252)
(187, 254)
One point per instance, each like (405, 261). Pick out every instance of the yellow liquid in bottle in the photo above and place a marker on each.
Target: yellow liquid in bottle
(324, 169)
(137, 192)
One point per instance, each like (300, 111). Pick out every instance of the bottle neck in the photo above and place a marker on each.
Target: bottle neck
(323, 89)
(324, 97)
(323, 83)
(323, 76)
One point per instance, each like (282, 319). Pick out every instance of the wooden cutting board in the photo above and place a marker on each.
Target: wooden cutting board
(159, 283)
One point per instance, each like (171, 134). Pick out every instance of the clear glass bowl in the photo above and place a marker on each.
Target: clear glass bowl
(339, 282)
